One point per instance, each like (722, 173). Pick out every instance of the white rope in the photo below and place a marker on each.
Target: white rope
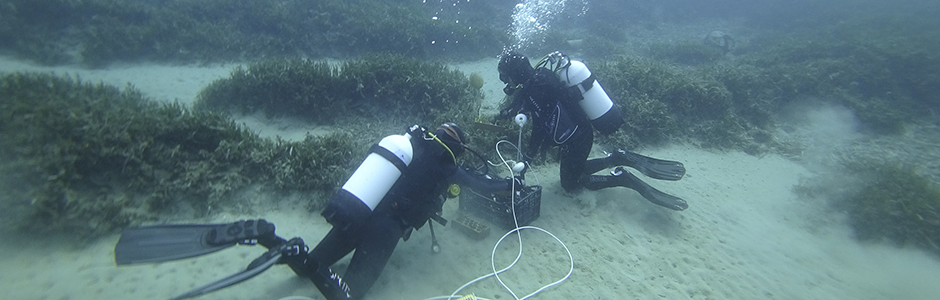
(518, 229)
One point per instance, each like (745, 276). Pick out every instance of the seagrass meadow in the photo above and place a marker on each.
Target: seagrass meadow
(82, 156)
(90, 158)
(380, 89)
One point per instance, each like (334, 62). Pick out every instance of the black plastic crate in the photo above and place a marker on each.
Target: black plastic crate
(497, 210)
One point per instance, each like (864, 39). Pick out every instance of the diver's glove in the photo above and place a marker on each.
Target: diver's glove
(520, 168)
(509, 89)
(503, 114)
(516, 182)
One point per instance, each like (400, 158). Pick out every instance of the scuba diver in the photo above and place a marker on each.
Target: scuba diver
(399, 187)
(565, 101)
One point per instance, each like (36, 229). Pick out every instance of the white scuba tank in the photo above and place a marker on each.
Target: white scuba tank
(376, 175)
(367, 186)
(595, 102)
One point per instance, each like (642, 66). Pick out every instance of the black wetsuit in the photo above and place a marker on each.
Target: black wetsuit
(416, 197)
(557, 121)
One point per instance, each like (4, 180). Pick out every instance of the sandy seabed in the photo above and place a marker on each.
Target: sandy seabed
(746, 235)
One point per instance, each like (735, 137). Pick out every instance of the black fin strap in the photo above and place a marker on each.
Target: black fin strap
(240, 231)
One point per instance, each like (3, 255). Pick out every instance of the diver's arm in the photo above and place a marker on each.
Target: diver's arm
(537, 139)
(481, 183)
(515, 107)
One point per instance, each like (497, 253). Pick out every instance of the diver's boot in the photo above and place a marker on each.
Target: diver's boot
(652, 167)
(330, 284)
(621, 177)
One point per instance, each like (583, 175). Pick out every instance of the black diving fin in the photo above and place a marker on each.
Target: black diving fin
(162, 243)
(257, 266)
(652, 167)
(293, 247)
(650, 193)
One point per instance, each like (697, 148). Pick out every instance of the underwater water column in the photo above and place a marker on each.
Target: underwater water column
(531, 19)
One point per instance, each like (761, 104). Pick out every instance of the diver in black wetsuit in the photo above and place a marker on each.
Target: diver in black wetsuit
(414, 198)
(397, 188)
(560, 119)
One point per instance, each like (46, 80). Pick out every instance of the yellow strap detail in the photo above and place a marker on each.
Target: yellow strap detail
(468, 297)
(445, 146)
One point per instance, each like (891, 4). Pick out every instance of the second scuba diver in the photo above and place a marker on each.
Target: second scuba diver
(565, 101)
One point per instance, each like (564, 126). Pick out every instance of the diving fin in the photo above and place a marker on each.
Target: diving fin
(162, 243)
(650, 193)
(652, 167)
(293, 248)
(257, 266)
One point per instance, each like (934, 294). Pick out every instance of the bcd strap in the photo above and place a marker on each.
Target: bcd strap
(561, 125)
(577, 91)
(389, 156)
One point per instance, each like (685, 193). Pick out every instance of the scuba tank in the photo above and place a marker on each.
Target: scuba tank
(583, 86)
(373, 179)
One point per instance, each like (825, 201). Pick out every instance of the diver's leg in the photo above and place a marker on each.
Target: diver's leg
(373, 242)
(574, 154)
(378, 243)
(334, 246)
